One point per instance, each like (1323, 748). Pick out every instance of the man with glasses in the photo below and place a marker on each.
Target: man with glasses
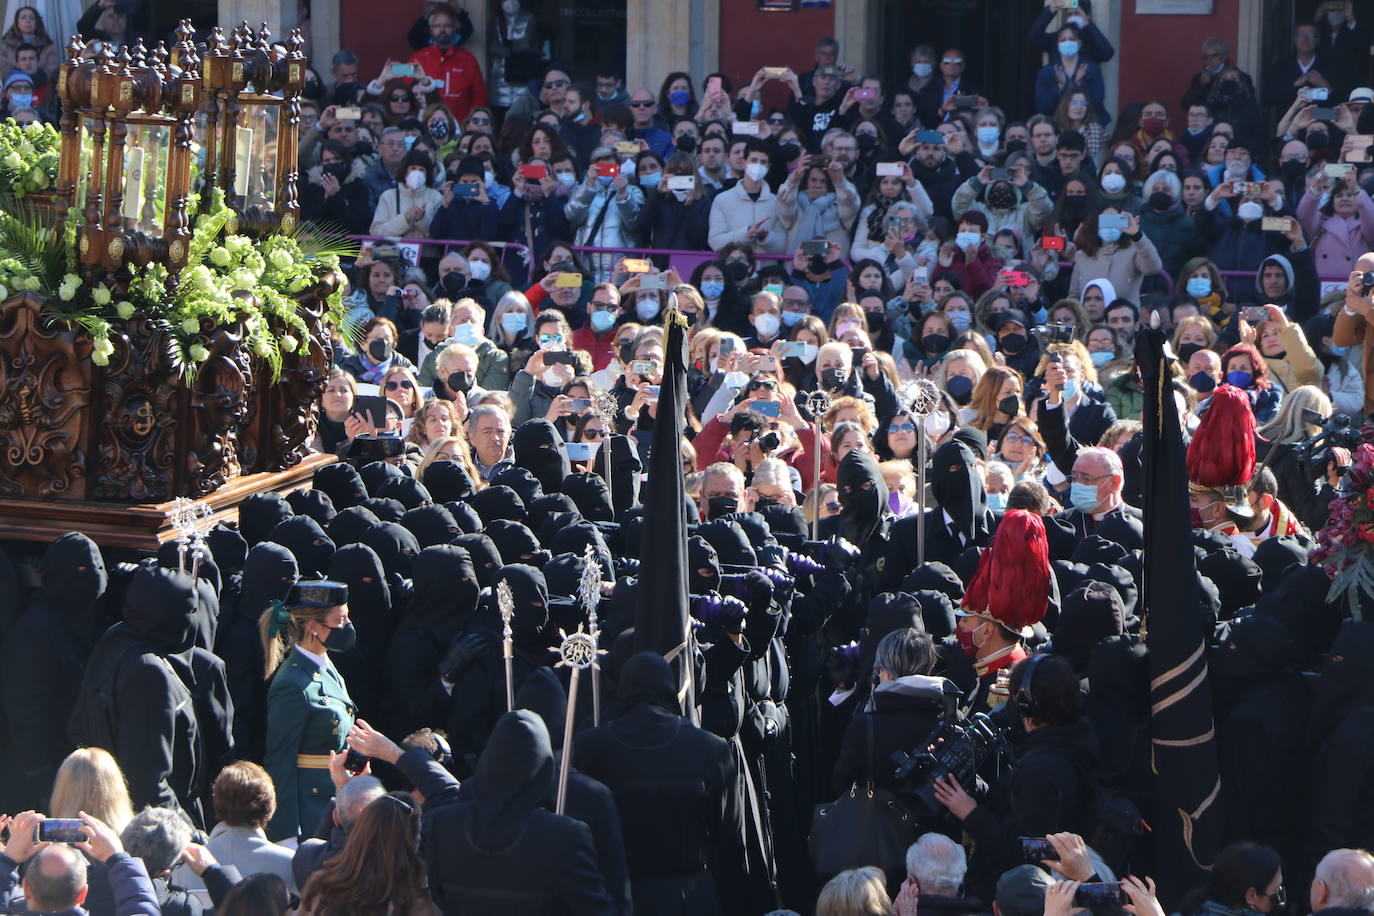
(796, 305)
(452, 71)
(936, 102)
(1306, 67)
(1215, 61)
(644, 111)
(610, 90)
(597, 337)
(381, 175)
(1095, 492)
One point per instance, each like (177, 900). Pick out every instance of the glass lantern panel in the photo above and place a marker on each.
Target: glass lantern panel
(257, 151)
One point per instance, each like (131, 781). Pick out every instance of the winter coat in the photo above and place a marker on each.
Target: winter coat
(905, 710)
(831, 215)
(1125, 267)
(1174, 235)
(733, 213)
(1025, 219)
(1299, 365)
(390, 216)
(1337, 240)
(350, 208)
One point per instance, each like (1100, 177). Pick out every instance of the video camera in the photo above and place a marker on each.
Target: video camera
(955, 749)
(1053, 332)
(367, 449)
(1337, 431)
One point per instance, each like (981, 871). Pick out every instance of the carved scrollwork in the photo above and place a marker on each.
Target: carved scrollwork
(139, 416)
(218, 409)
(294, 400)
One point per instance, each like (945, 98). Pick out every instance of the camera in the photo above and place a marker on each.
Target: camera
(1035, 849)
(60, 830)
(367, 449)
(1337, 431)
(955, 749)
(1367, 282)
(1106, 893)
(1053, 333)
(769, 442)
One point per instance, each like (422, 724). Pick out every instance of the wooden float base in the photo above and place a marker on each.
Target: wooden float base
(140, 527)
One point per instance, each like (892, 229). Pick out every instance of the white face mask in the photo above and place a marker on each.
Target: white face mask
(1249, 211)
(756, 171)
(936, 424)
(415, 180)
(808, 354)
(1113, 182)
(479, 270)
(681, 195)
(552, 377)
(766, 324)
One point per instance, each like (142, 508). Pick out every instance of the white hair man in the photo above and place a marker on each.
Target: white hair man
(1344, 880)
(937, 864)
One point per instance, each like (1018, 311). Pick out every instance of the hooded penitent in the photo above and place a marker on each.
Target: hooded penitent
(515, 776)
(591, 496)
(645, 678)
(445, 595)
(497, 502)
(530, 623)
(395, 546)
(268, 574)
(539, 449)
(525, 484)
(863, 497)
(314, 503)
(377, 473)
(1012, 585)
(448, 480)
(260, 513)
(343, 484)
(957, 486)
(431, 525)
(408, 491)
(160, 607)
(307, 541)
(74, 582)
(351, 525)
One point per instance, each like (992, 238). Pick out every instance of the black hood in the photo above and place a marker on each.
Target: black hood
(1345, 683)
(1236, 577)
(497, 501)
(531, 618)
(1119, 701)
(259, 514)
(307, 541)
(386, 510)
(313, 503)
(268, 574)
(395, 547)
(74, 577)
(1300, 602)
(516, 543)
(1096, 549)
(351, 525)
(343, 484)
(539, 449)
(376, 473)
(486, 559)
(1088, 615)
(539, 511)
(936, 576)
(937, 612)
(755, 529)
(369, 595)
(646, 678)
(863, 496)
(464, 516)
(957, 486)
(431, 525)
(563, 575)
(407, 491)
(623, 471)
(1121, 582)
(542, 693)
(514, 777)
(1275, 556)
(731, 543)
(445, 589)
(783, 521)
(168, 557)
(525, 484)
(590, 495)
(575, 537)
(448, 480)
(887, 613)
(1253, 649)
(703, 566)
(160, 607)
(228, 548)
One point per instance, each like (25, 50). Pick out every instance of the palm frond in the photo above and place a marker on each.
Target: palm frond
(29, 235)
(318, 239)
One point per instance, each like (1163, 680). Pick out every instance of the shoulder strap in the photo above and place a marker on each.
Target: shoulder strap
(600, 218)
(868, 750)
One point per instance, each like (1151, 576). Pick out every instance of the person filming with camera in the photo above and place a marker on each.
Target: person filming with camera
(1354, 319)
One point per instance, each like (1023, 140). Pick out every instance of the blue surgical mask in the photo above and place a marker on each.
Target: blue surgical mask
(1100, 358)
(651, 180)
(997, 502)
(1338, 352)
(960, 320)
(1239, 379)
(1068, 49)
(1070, 389)
(1199, 287)
(987, 136)
(605, 180)
(922, 70)
(966, 239)
(514, 322)
(646, 309)
(601, 321)
(679, 98)
(1084, 497)
(1108, 236)
(21, 100)
(468, 334)
(410, 141)
(711, 290)
(792, 319)
(566, 179)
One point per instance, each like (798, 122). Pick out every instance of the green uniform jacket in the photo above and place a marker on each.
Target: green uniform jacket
(309, 711)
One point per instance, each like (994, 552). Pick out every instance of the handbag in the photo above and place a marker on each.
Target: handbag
(864, 826)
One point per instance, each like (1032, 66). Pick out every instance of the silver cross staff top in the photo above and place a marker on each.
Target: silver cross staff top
(505, 602)
(922, 396)
(589, 588)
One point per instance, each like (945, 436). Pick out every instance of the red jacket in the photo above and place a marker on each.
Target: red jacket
(601, 348)
(710, 448)
(459, 76)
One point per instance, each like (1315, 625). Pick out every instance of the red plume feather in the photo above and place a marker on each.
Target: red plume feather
(1013, 579)
(1222, 453)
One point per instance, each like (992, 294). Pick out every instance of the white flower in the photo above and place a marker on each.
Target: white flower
(124, 309)
(262, 348)
(199, 353)
(100, 359)
(103, 345)
(4, 293)
(220, 256)
(67, 291)
(190, 325)
(288, 343)
(101, 295)
(280, 259)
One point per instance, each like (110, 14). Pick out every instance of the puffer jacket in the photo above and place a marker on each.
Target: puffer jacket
(831, 215)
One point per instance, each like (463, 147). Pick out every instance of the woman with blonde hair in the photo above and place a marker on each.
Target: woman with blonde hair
(847, 316)
(857, 892)
(309, 710)
(1196, 330)
(957, 374)
(1288, 424)
(400, 385)
(90, 780)
(451, 448)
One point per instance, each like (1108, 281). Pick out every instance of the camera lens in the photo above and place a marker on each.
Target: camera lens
(1368, 280)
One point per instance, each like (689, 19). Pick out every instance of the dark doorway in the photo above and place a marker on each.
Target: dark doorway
(584, 36)
(991, 33)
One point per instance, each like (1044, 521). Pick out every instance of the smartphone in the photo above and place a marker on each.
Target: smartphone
(1337, 169)
(349, 113)
(653, 392)
(889, 170)
(372, 407)
(1068, 4)
(766, 361)
(727, 346)
(861, 95)
(1052, 243)
(355, 761)
(558, 358)
(1316, 93)
(930, 137)
(643, 367)
(922, 274)
(466, 189)
(775, 73)
(580, 451)
(819, 162)
(568, 281)
(745, 128)
(1240, 188)
(1015, 278)
(713, 86)
(1274, 224)
(653, 281)
(534, 172)
(1113, 221)
(767, 408)
(1098, 894)
(1325, 114)
(1254, 314)
(682, 183)
(814, 249)
(794, 348)
(628, 148)
(605, 170)
(407, 70)
(60, 830)
(858, 353)
(1034, 849)
(963, 100)
(1000, 174)
(581, 404)
(638, 265)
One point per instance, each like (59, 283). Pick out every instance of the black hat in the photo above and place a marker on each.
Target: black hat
(317, 593)
(1000, 319)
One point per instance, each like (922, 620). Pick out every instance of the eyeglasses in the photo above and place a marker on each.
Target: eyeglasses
(763, 385)
(594, 433)
(1018, 437)
(777, 121)
(625, 343)
(1084, 478)
(643, 103)
(798, 303)
(555, 84)
(395, 384)
(400, 98)
(480, 122)
(951, 60)
(602, 305)
(902, 428)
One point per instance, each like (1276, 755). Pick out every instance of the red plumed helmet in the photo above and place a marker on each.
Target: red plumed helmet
(1222, 453)
(1012, 584)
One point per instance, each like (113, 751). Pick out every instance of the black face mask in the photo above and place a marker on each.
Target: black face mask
(867, 142)
(789, 151)
(1202, 382)
(439, 130)
(817, 265)
(1186, 351)
(452, 284)
(960, 387)
(341, 639)
(459, 381)
(1001, 197)
(1013, 343)
(833, 378)
(720, 506)
(379, 350)
(1074, 203)
(735, 271)
(935, 343)
(337, 169)
(686, 144)
(1293, 169)
(1009, 405)
(1160, 201)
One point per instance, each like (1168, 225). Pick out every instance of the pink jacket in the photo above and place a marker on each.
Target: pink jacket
(1337, 242)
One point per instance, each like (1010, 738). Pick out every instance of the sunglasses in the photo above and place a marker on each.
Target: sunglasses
(643, 104)
(395, 384)
(400, 98)
(832, 505)
(902, 428)
(480, 121)
(763, 385)
(594, 433)
(555, 84)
